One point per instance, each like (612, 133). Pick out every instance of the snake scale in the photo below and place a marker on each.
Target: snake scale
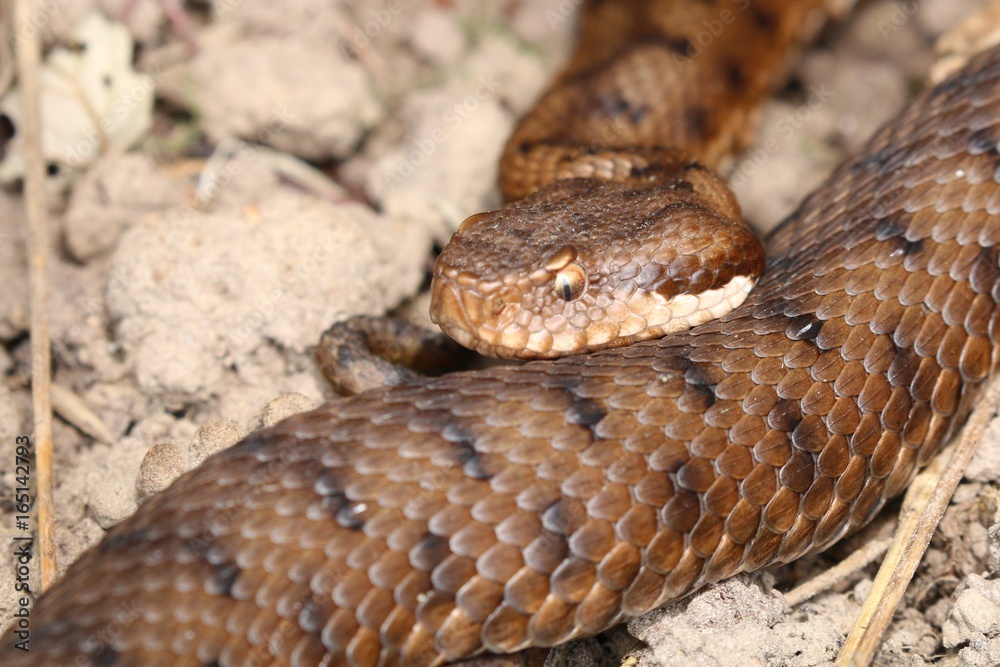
(527, 505)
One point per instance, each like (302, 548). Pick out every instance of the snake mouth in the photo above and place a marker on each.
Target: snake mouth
(479, 315)
(493, 321)
(448, 311)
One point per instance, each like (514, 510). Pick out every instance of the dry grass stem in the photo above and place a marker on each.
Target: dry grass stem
(29, 53)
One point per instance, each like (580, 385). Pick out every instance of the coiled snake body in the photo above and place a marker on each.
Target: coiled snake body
(524, 506)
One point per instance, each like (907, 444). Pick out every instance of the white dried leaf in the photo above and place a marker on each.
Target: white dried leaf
(91, 101)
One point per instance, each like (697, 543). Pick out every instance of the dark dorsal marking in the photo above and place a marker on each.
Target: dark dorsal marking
(707, 393)
(883, 161)
(310, 617)
(253, 442)
(804, 327)
(584, 411)
(223, 577)
(106, 656)
(613, 105)
(892, 229)
(336, 504)
(903, 367)
(563, 517)
(984, 141)
(346, 356)
(463, 444)
(122, 540)
(697, 121)
(734, 74)
(222, 571)
(680, 45)
(470, 459)
(429, 552)
(785, 416)
(985, 274)
(912, 248)
(764, 19)
(888, 228)
(698, 375)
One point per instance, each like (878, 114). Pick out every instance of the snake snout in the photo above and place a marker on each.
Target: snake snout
(489, 315)
(448, 311)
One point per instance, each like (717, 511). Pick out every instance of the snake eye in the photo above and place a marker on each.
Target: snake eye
(571, 282)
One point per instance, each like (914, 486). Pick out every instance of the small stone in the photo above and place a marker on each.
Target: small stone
(985, 463)
(993, 561)
(197, 296)
(911, 630)
(717, 622)
(284, 407)
(308, 97)
(938, 612)
(161, 465)
(111, 501)
(975, 617)
(437, 36)
(117, 192)
(213, 437)
(938, 16)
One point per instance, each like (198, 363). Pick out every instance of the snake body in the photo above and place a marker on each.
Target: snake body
(524, 506)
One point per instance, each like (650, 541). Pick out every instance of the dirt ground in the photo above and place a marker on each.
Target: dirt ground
(300, 166)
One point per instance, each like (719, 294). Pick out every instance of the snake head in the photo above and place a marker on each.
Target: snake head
(586, 264)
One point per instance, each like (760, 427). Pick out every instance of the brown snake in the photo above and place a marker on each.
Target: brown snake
(525, 506)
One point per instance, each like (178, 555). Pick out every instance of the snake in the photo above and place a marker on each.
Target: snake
(485, 512)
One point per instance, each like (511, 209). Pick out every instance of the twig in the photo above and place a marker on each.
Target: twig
(839, 572)
(71, 407)
(6, 55)
(922, 510)
(29, 53)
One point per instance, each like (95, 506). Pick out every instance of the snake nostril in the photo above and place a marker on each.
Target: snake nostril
(504, 310)
(499, 305)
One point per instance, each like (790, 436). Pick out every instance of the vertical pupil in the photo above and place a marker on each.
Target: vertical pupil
(567, 291)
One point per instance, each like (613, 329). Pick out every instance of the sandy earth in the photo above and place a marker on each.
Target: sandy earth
(190, 285)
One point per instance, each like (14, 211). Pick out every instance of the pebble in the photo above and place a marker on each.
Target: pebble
(975, 620)
(161, 465)
(213, 437)
(437, 36)
(285, 406)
